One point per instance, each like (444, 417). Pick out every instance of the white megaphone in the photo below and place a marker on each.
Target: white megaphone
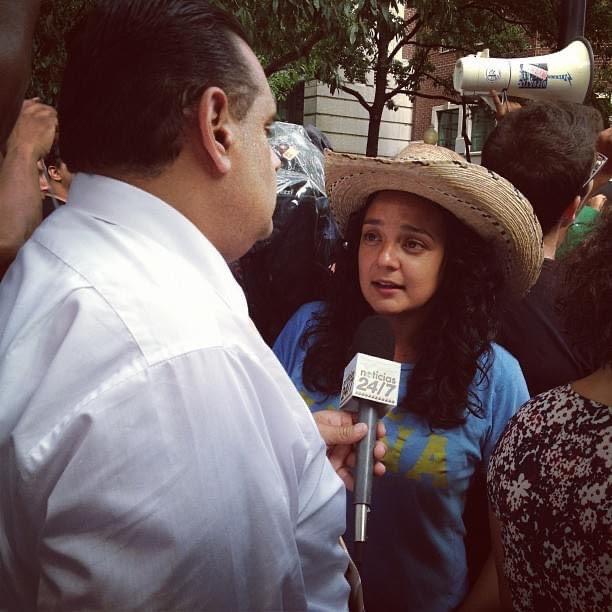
(564, 75)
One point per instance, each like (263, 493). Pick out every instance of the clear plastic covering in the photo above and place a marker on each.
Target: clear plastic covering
(301, 161)
(292, 266)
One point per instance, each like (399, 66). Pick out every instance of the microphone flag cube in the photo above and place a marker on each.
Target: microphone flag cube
(370, 378)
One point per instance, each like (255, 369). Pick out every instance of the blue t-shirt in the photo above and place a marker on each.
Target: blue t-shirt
(415, 554)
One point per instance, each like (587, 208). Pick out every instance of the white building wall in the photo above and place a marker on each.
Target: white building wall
(345, 121)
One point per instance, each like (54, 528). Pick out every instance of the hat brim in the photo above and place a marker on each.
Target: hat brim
(481, 199)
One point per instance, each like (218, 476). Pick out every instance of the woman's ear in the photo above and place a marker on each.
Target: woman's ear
(216, 127)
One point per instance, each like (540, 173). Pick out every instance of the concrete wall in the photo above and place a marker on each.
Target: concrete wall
(345, 121)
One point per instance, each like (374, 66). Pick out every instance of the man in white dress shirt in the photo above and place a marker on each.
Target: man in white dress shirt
(153, 453)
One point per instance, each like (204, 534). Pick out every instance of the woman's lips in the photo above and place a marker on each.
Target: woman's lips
(386, 286)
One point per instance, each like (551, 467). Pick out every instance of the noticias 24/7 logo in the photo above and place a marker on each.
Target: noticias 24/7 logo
(376, 384)
(370, 378)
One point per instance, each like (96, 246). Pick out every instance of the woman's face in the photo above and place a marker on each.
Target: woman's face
(401, 252)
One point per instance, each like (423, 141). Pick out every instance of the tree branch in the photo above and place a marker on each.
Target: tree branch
(435, 79)
(418, 94)
(414, 18)
(354, 92)
(291, 56)
(416, 68)
(404, 40)
(417, 26)
(497, 13)
(438, 46)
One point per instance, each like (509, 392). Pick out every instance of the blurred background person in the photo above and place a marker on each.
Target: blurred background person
(547, 151)
(582, 225)
(550, 478)
(22, 178)
(57, 180)
(601, 193)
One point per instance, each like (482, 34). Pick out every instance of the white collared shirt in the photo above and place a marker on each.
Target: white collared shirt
(153, 453)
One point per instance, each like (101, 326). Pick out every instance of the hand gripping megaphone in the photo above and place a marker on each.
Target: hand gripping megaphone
(564, 75)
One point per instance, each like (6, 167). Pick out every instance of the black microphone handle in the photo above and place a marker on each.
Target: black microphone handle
(368, 414)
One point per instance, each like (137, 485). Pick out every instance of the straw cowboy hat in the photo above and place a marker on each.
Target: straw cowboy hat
(481, 199)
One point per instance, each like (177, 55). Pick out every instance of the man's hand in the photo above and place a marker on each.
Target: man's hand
(340, 433)
(502, 108)
(34, 131)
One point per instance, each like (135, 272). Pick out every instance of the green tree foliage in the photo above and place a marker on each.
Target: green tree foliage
(289, 36)
(296, 40)
(57, 17)
(426, 25)
(341, 42)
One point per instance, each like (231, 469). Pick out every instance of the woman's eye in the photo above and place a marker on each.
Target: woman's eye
(369, 237)
(413, 245)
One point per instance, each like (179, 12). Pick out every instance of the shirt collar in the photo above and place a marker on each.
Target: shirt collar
(123, 204)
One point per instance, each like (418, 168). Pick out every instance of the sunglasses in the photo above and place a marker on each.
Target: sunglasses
(600, 162)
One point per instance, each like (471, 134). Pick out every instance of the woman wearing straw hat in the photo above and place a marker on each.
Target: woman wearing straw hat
(433, 244)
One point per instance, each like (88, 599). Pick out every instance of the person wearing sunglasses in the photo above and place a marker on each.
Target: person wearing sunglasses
(547, 150)
(599, 197)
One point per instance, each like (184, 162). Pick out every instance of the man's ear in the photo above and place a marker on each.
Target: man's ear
(569, 214)
(215, 125)
(54, 173)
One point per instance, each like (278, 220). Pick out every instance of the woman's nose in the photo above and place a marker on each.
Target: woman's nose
(387, 256)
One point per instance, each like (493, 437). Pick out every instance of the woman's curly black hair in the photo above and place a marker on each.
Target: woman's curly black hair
(454, 345)
(585, 297)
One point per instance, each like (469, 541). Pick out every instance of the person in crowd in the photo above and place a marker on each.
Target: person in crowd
(599, 196)
(550, 477)
(58, 179)
(582, 225)
(435, 245)
(547, 151)
(154, 453)
(21, 177)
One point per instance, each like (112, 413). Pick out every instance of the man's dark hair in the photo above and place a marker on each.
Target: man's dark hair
(53, 157)
(136, 70)
(546, 150)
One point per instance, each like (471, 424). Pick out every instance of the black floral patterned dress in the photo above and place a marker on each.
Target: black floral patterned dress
(550, 485)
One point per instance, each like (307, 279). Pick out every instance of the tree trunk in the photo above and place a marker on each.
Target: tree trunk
(374, 130)
(381, 72)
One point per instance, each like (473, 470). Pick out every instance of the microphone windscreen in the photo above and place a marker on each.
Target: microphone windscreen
(374, 337)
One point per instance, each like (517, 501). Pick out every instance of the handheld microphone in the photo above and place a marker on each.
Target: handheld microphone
(370, 386)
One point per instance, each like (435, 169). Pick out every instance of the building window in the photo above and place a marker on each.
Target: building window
(291, 109)
(448, 125)
(483, 123)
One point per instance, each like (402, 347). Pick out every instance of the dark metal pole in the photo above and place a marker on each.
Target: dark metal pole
(571, 23)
